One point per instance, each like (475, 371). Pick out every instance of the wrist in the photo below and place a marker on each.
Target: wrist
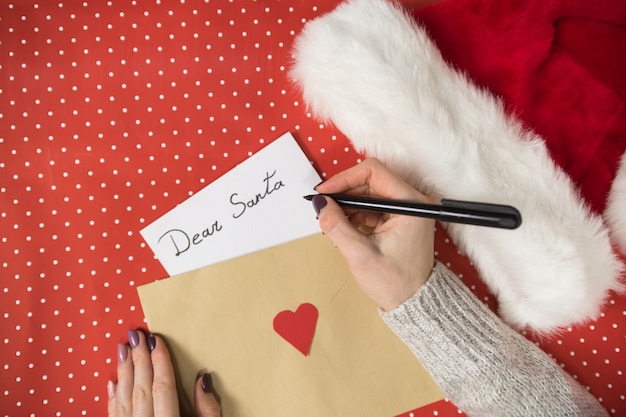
(410, 289)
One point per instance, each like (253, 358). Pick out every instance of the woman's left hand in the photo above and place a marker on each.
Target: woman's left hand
(146, 384)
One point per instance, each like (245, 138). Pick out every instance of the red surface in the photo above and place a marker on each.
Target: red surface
(111, 113)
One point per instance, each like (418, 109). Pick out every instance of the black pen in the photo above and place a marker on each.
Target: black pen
(453, 211)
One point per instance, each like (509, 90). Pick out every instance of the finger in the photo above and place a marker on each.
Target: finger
(354, 245)
(120, 395)
(142, 382)
(369, 178)
(366, 219)
(206, 404)
(111, 390)
(165, 397)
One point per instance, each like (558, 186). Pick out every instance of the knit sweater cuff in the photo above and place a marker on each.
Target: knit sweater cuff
(481, 364)
(444, 323)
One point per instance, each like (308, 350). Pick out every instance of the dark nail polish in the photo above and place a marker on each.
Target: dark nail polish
(122, 353)
(319, 202)
(133, 338)
(317, 185)
(151, 342)
(207, 383)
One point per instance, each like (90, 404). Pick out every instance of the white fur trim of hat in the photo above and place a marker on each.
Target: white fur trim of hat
(371, 70)
(615, 211)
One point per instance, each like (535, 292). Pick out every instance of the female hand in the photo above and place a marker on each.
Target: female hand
(146, 384)
(395, 259)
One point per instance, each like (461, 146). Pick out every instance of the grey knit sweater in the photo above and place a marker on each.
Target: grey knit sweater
(482, 365)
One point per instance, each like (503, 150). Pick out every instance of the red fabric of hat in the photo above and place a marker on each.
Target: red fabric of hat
(559, 66)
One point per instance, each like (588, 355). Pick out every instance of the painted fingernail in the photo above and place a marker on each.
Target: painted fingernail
(319, 202)
(111, 389)
(122, 353)
(133, 338)
(318, 184)
(207, 383)
(151, 342)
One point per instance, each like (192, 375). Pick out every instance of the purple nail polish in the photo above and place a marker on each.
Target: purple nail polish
(317, 185)
(122, 353)
(151, 342)
(133, 338)
(319, 202)
(207, 383)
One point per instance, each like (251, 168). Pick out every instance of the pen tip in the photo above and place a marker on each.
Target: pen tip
(309, 197)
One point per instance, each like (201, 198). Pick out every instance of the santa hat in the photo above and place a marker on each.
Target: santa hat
(373, 71)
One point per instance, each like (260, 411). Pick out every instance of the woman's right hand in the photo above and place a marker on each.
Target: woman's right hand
(395, 258)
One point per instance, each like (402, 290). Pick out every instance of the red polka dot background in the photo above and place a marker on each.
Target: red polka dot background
(112, 113)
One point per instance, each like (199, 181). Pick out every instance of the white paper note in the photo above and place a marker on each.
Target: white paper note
(256, 205)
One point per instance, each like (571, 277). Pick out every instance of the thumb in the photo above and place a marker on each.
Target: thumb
(354, 245)
(206, 404)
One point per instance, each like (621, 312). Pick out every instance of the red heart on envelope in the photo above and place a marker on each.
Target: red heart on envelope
(297, 328)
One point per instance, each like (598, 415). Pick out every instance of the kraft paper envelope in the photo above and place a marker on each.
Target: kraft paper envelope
(220, 318)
